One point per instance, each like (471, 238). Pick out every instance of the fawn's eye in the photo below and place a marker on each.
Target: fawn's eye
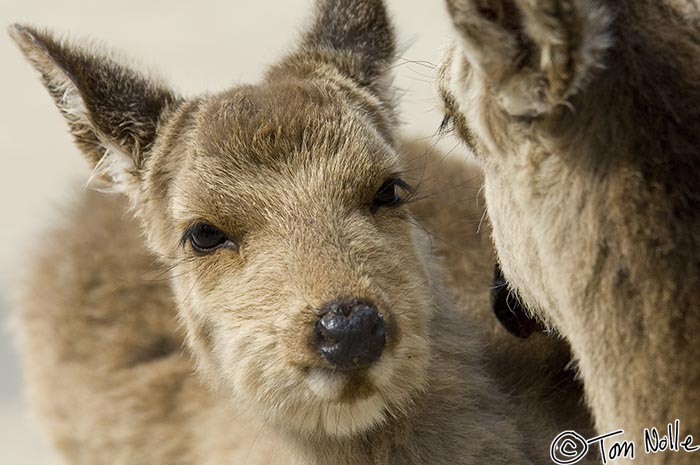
(207, 238)
(389, 194)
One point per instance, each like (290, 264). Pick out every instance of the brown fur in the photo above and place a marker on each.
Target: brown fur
(288, 168)
(586, 117)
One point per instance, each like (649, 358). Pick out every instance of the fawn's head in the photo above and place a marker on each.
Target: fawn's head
(513, 80)
(279, 208)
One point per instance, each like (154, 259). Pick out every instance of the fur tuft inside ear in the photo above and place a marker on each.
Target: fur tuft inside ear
(117, 169)
(112, 111)
(534, 54)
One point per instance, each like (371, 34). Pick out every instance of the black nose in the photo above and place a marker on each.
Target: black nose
(350, 334)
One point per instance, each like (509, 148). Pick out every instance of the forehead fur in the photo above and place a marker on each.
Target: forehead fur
(275, 142)
(280, 121)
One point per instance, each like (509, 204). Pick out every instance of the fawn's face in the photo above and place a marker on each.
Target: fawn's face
(296, 270)
(279, 209)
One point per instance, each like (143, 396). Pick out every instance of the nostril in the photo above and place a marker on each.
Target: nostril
(351, 335)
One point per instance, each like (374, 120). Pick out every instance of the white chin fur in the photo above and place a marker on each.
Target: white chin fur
(326, 384)
(335, 416)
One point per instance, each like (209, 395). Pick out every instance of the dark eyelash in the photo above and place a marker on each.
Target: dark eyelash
(403, 185)
(186, 234)
(393, 183)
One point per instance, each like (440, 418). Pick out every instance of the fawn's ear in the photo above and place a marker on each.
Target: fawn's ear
(113, 112)
(535, 53)
(357, 37)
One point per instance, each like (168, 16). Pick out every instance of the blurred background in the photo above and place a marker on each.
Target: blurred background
(185, 41)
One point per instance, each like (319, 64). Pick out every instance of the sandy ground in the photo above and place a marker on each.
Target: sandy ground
(207, 46)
